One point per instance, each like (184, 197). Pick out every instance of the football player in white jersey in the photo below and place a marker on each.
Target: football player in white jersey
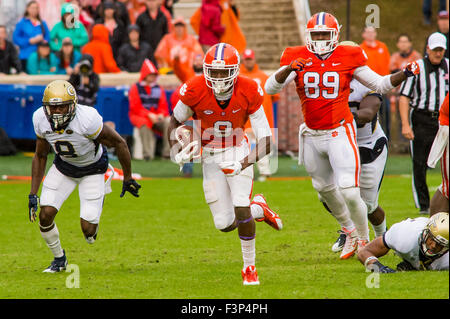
(421, 242)
(372, 144)
(77, 135)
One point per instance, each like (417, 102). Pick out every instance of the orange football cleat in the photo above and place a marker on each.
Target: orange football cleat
(351, 244)
(270, 217)
(250, 276)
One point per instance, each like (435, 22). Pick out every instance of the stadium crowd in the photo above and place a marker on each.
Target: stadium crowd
(89, 37)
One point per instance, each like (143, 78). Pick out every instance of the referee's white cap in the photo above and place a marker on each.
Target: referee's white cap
(437, 40)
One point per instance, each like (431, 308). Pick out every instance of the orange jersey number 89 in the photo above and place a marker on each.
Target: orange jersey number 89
(330, 81)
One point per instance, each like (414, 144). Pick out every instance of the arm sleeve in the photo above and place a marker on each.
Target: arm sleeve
(260, 125)
(273, 87)
(182, 112)
(374, 81)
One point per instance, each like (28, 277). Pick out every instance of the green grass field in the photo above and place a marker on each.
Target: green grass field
(164, 244)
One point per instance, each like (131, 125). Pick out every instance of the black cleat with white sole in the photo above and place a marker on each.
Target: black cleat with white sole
(340, 242)
(58, 264)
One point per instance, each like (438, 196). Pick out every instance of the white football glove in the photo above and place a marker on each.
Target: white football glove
(187, 153)
(230, 168)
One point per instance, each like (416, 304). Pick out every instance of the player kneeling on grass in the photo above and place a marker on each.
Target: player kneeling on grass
(76, 134)
(421, 242)
(222, 101)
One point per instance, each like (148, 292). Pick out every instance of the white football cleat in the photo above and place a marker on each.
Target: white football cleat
(270, 217)
(351, 244)
(250, 276)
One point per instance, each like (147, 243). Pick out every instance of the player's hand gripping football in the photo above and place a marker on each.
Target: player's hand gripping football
(231, 168)
(411, 69)
(33, 203)
(130, 186)
(299, 64)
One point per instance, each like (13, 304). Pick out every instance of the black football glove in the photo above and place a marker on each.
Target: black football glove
(380, 268)
(130, 186)
(33, 203)
(405, 266)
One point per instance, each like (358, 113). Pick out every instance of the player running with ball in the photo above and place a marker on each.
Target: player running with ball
(322, 72)
(222, 101)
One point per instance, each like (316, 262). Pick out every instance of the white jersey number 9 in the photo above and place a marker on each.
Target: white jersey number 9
(223, 129)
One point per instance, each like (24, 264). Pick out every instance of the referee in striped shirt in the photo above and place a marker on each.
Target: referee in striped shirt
(424, 93)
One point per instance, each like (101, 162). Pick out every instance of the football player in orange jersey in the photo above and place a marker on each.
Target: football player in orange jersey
(439, 151)
(322, 72)
(221, 102)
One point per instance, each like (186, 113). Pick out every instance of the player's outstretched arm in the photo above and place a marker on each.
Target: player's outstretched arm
(368, 256)
(383, 84)
(368, 109)
(111, 138)
(37, 173)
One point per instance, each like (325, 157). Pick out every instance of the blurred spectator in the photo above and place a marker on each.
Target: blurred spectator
(183, 73)
(101, 51)
(167, 14)
(30, 31)
(250, 68)
(211, 28)
(117, 29)
(132, 54)
(378, 60)
(68, 57)
(377, 52)
(442, 24)
(168, 4)
(404, 55)
(43, 61)
(84, 13)
(85, 81)
(149, 111)
(49, 10)
(120, 8)
(426, 9)
(154, 22)
(68, 27)
(177, 43)
(9, 59)
(135, 8)
(232, 4)
(399, 59)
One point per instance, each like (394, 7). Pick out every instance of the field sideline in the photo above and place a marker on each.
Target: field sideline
(164, 245)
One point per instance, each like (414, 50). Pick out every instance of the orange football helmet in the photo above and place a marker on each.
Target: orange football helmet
(322, 22)
(221, 67)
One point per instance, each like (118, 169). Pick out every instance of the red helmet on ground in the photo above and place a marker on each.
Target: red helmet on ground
(322, 22)
(221, 67)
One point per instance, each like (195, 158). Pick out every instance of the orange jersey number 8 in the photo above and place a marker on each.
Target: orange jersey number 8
(330, 81)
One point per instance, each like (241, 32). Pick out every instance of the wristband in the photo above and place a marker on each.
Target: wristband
(369, 259)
